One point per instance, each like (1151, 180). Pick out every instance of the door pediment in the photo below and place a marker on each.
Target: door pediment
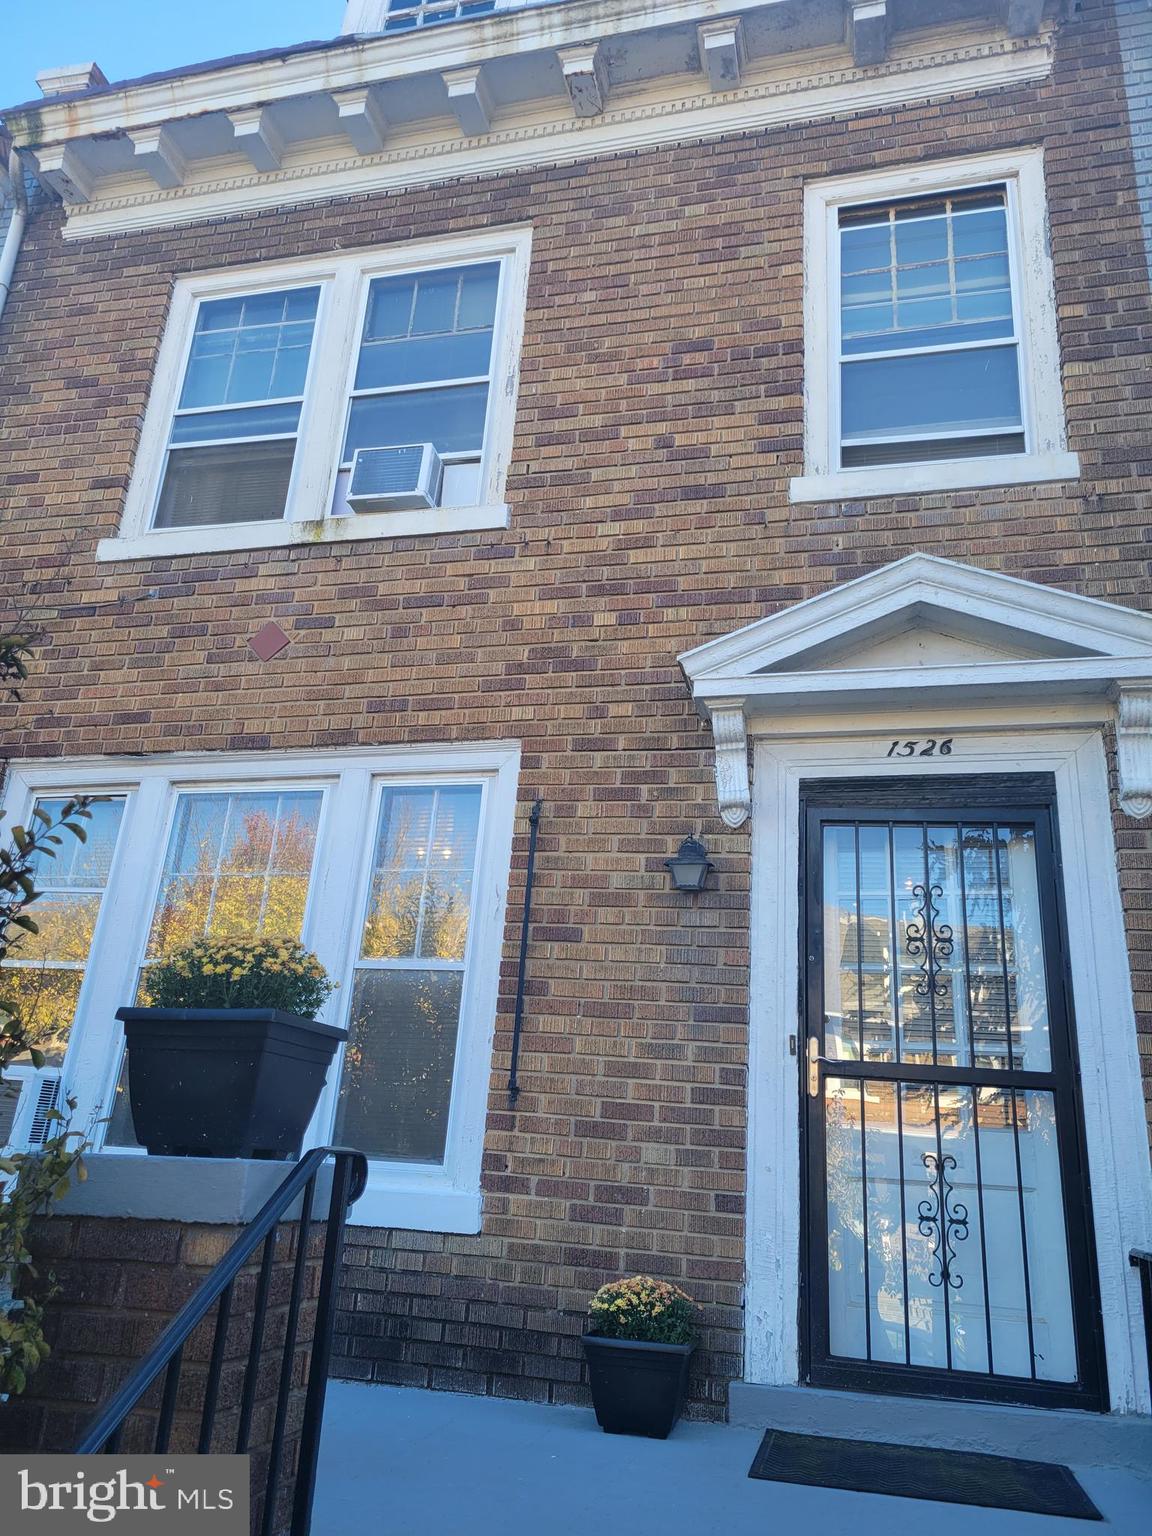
(917, 633)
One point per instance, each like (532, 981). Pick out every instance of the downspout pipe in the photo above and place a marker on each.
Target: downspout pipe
(12, 184)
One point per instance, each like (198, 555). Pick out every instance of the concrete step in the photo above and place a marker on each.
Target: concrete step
(1034, 1434)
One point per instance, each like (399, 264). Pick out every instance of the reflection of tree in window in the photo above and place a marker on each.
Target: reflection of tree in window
(238, 866)
(396, 1088)
(41, 981)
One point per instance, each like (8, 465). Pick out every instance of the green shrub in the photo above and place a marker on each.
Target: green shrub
(240, 973)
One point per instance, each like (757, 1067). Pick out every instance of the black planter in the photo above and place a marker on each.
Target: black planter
(637, 1389)
(225, 1082)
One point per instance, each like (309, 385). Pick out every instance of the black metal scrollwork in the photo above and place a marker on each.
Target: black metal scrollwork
(942, 1218)
(931, 940)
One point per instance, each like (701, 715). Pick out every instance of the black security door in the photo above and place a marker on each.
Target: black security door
(948, 1239)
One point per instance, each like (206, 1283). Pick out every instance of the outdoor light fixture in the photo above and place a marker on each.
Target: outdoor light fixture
(689, 869)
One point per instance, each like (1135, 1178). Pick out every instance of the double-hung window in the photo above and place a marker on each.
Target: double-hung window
(270, 380)
(237, 419)
(931, 350)
(424, 368)
(392, 868)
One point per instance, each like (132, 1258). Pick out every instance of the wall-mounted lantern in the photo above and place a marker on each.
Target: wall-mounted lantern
(689, 869)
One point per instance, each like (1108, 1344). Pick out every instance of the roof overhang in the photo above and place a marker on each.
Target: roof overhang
(918, 634)
(536, 83)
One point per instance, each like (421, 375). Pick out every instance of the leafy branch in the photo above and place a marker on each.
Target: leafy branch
(29, 1181)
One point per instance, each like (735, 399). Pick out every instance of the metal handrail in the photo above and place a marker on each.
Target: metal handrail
(103, 1433)
(1141, 1260)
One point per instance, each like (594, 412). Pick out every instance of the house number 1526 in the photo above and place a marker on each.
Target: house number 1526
(929, 747)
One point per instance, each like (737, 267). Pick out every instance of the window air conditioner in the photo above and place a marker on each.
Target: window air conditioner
(395, 479)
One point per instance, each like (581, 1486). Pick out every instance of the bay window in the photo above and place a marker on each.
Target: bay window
(391, 867)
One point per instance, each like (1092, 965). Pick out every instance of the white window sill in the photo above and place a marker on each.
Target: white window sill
(941, 475)
(415, 1207)
(161, 543)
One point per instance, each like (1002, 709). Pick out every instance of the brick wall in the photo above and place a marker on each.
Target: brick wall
(1134, 27)
(660, 418)
(117, 1283)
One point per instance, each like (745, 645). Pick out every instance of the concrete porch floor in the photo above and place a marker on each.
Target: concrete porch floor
(400, 1462)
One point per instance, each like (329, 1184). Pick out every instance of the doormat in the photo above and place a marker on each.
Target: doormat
(921, 1472)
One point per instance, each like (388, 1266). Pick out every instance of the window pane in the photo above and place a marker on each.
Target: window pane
(251, 348)
(975, 391)
(423, 359)
(451, 419)
(428, 326)
(397, 1083)
(46, 1002)
(932, 255)
(421, 888)
(76, 863)
(238, 865)
(42, 979)
(250, 421)
(243, 483)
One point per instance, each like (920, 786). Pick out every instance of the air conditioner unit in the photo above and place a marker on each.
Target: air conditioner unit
(395, 479)
(27, 1100)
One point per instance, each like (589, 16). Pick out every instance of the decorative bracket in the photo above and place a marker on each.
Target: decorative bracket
(470, 99)
(1022, 17)
(258, 136)
(61, 168)
(154, 151)
(868, 31)
(1134, 749)
(722, 52)
(586, 77)
(733, 789)
(362, 119)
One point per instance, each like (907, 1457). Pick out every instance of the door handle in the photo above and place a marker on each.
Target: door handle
(815, 1062)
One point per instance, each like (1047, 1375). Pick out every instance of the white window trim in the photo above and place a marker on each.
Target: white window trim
(445, 1198)
(1047, 456)
(343, 280)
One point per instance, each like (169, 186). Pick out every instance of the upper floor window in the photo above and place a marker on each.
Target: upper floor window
(234, 429)
(931, 355)
(403, 15)
(929, 351)
(271, 380)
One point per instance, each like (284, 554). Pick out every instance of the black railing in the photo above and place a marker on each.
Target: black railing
(1141, 1260)
(294, 1201)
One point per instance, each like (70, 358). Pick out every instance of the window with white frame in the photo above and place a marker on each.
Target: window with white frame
(931, 350)
(392, 868)
(237, 417)
(270, 380)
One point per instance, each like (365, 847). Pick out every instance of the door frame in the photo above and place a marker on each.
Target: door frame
(788, 751)
(909, 799)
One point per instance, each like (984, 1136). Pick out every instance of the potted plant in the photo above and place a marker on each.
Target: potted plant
(228, 1060)
(640, 1338)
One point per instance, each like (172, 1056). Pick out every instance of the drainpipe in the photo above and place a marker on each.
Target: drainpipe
(12, 179)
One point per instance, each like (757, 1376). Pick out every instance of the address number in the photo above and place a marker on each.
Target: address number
(931, 746)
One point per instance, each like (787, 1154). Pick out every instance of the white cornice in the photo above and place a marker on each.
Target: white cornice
(358, 61)
(681, 110)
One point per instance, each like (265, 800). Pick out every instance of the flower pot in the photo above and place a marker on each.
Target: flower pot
(225, 1082)
(637, 1389)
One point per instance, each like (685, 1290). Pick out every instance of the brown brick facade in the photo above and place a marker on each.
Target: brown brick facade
(118, 1283)
(660, 417)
